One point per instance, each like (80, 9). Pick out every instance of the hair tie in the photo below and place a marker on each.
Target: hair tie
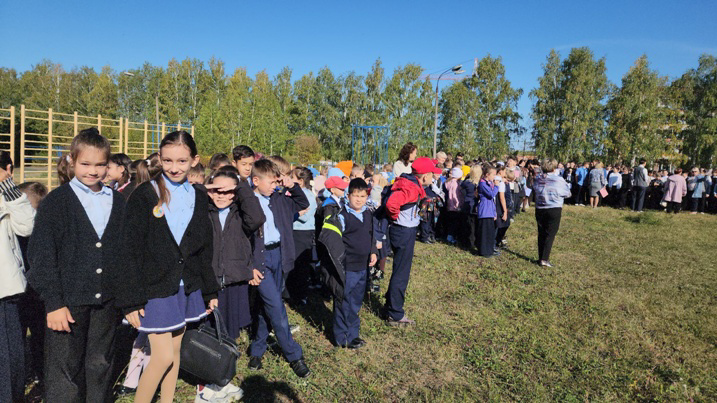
(148, 162)
(67, 158)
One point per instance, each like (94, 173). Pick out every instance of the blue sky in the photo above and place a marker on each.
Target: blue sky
(349, 36)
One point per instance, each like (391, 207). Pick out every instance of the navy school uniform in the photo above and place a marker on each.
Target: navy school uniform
(273, 255)
(76, 252)
(168, 258)
(359, 243)
(233, 226)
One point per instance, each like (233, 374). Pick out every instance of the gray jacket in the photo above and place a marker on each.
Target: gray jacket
(639, 176)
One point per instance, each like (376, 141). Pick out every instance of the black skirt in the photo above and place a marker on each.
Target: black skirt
(486, 236)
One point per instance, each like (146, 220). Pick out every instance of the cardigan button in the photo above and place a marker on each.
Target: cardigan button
(98, 295)
(98, 244)
(98, 271)
(180, 261)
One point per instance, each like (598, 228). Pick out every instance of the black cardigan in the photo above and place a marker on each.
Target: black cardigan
(232, 250)
(71, 266)
(154, 263)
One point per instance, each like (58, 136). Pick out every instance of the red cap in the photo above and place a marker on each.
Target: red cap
(336, 182)
(425, 165)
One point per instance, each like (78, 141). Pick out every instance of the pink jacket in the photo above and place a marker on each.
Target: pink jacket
(454, 196)
(675, 188)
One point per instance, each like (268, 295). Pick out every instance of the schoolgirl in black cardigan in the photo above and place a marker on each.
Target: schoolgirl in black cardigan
(168, 265)
(76, 256)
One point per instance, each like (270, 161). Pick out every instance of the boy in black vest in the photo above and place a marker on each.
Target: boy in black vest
(356, 223)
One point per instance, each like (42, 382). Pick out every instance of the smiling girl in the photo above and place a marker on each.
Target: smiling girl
(168, 263)
(76, 256)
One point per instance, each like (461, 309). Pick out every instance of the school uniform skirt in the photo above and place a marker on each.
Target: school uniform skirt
(172, 313)
(486, 236)
(234, 307)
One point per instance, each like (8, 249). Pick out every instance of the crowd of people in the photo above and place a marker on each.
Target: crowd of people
(157, 244)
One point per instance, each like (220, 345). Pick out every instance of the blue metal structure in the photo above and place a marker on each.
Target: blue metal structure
(369, 144)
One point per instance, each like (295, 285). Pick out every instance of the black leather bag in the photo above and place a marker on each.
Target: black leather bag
(209, 354)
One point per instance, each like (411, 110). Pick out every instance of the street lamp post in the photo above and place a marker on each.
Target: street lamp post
(455, 70)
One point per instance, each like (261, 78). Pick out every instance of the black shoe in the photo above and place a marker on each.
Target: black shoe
(255, 363)
(125, 391)
(299, 367)
(356, 343)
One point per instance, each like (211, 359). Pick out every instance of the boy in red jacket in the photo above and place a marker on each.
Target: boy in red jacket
(403, 206)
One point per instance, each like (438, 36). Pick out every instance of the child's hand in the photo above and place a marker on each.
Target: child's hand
(213, 186)
(505, 216)
(287, 181)
(373, 259)
(379, 244)
(302, 212)
(257, 278)
(213, 303)
(59, 320)
(133, 318)
(5, 173)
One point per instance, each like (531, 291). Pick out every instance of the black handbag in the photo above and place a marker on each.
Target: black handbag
(209, 354)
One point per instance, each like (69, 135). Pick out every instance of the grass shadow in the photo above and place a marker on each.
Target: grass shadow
(521, 256)
(647, 218)
(374, 305)
(317, 314)
(258, 389)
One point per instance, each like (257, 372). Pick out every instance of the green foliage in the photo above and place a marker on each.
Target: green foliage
(569, 113)
(698, 99)
(637, 116)
(546, 113)
(577, 114)
(478, 115)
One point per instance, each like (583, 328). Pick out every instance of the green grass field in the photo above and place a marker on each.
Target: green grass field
(628, 313)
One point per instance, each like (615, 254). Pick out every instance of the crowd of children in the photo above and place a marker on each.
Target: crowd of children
(157, 244)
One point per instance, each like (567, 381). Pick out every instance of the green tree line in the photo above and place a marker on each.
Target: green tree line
(577, 113)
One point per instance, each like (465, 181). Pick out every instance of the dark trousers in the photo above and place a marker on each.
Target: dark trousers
(78, 365)
(297, 280)
(638, 197)
(426, 228)
(347, 323)
(486, 236)
(452, 223)
(697, 204)
(548, 224)
(403, 241)
(622, 197)
(468, 229)
(12, 361)
(32, 319)
(673, 207)
(272, 313)
(500, 235)
(582, 192)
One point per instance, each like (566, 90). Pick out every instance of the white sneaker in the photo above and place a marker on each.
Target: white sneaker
(233, 392)
(217, 394)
